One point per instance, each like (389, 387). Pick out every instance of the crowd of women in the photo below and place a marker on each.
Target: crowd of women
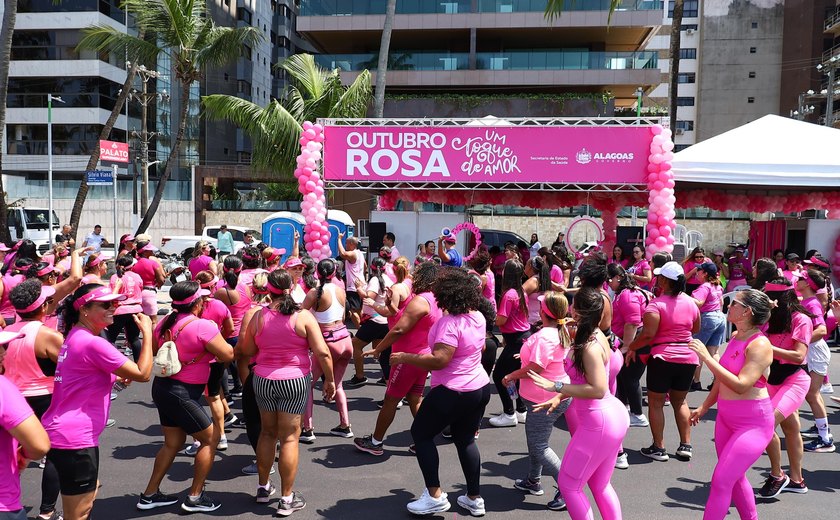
(279, 331)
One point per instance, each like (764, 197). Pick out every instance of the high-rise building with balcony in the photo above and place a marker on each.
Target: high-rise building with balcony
(505, 50)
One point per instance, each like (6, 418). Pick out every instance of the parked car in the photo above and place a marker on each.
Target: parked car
(184, 244)
(32, 223)
(496, 237)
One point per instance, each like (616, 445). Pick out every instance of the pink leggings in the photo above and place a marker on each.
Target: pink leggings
(599, 430)
(742, 431)
(341, 352)
(616, 362)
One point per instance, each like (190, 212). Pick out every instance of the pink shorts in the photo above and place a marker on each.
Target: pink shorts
(789, 396)
(149, 302)
(406, 379)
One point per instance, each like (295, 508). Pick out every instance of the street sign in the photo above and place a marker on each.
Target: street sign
(111, 151)
(99, 177)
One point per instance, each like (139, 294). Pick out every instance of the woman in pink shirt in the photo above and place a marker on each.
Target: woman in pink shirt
(538, 273)
(22, 438)
(11, 278)
(95, 268)
(272, 256)
(234, 292)
(460, 390)
(87, 367)
(709, 299)
(639, 269)
(560, 269)
(282, 378)
(480, 263)
(668, 325)
(618, 257)
(130, 285)
(47, 274)
(691, 266)
(201, 259)
(178, 397)
(512, 319)
(543, 353)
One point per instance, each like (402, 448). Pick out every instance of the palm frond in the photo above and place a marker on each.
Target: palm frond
(243, 113)
(355, 100)
(105, 38)
(217, 46)
(554, 8)
(306, 73)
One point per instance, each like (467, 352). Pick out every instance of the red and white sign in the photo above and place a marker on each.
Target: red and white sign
(112, 151)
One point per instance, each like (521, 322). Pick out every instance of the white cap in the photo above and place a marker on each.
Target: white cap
(671, 271)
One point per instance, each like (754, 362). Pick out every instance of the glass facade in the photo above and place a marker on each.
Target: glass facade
(86, 92)
(67, 139)
(399, 60)
(109, 8)
(364, 7)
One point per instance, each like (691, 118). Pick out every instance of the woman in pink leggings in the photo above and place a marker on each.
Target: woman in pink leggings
(744, 423)
(601, 419)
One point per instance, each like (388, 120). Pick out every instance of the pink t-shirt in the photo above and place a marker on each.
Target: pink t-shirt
(281, 360)
(814, 306)
(246, 277)
(489, 290)
(465, 332)
(416, 340)
(738, 270)
(517, 321)
(557, 274)
(801, 330)
(544, 349)
(677, 315)
(694, 265)
(132, 288)
(628, 307)
(13, 411)
(82, 396)
(191, 340)
(215, 311)
(354, 270)
(710, 295)
(198, 264)
(10, 281)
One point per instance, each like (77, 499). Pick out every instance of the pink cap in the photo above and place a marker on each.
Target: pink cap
(293, 261)
(127, 238)
(101, 294)
(45, 271)
(148, 247)
(188, 300)
(47, 291)
(450, 238)
(275, 254)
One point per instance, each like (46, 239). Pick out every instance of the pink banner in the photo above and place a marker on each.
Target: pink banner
(473, 154)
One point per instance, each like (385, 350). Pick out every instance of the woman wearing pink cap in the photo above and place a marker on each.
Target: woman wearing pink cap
(272, 256)
(22, 438)
(87, 367)
(151, 272)
(94, 269)
(294, 266)
(178, 397)
(201, 259)
(127, 246)
(30, 364)
(130, 285)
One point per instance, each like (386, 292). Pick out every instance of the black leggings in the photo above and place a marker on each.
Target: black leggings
(253, 421)
(385, 363)
(629, 388)
(507, 364)
(125, 322)
(488, 357)
(462, 411)
(50, 487)
(233, 371)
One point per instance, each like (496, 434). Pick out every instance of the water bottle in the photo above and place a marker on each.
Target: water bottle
(511, 390)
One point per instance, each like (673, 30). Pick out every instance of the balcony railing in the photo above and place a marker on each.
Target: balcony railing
(833, 19)
(377, 7)
(507, 60)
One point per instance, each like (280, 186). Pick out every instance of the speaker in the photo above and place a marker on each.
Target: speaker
(376, 232)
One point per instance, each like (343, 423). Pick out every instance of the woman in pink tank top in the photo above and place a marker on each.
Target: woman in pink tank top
(95, 268)
(47, 274)
(201, 259)
(234, 292)
(281, 336)
(30, 364)
(13, 276)
(480, 263)
(744, 424)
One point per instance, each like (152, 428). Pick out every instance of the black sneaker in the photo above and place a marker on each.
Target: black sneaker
(264, 495)
(366, 445)
(684, 452)
(696, 386)
(356, 382)
(810, 433)
(797, 487)
(773, 486)
(381, 382)
(655, 453)
(307, 436)
(157, 500)
(557, 503)
(295, 504)
(201, 504)
(447, 432)
(342, 431)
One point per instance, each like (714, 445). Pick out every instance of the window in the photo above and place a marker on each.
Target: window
(88, 92)
(685, 101)
(690, 8)
(686, 77)
(243, 87)
(754, 25)
(680, 147)
(750, 100)
(245, 52)
(688, 54)
(753, 50)
(284, 43)
(688, 26)
(751, 74)
(686, 126)
(243, 15)
(71, 139)
(225, 151)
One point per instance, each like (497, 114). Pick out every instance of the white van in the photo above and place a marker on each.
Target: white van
(32, 223)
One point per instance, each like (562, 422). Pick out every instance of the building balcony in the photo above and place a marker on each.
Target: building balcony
(832, 23)
(377, 7)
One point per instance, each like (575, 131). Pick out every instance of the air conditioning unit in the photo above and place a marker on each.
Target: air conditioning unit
(679, 131)
(689, 32)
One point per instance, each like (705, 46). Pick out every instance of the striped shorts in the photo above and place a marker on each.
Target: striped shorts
(282, 395)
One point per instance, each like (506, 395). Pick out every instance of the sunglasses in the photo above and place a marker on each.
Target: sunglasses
(699, 257)
(105, 305)
(744, 305)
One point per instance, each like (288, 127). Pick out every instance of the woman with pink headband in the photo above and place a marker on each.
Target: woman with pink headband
(272, 256)
(282, 379)
(251, 264)
(177, 397)
(47, 274)
(789, 331)
(87, 367)
(236, 294)
(151, 272)
(30, 364)
(13, 276)
(201, 260)
(817, 359)
(744, 423)
(95, 268)
(127, 246)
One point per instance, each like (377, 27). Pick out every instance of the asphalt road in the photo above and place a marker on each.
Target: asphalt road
(340, 482)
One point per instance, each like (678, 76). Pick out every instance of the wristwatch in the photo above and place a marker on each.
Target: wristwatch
(558, 386)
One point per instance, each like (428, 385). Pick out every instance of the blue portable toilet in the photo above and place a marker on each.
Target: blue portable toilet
(278, 230)
(339, 222)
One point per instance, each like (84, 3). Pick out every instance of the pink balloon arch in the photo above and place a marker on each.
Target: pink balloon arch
(661, 200)
(316, 236)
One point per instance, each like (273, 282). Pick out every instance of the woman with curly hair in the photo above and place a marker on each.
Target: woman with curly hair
(480, 264)
(459, 391)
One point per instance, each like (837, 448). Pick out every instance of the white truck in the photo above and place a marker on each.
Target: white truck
(179, 244)
(32, 223)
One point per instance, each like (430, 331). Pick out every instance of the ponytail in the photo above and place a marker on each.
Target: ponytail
(326, 271)
(589, 305)
(232, 266)
(122, 264)
(280, 286)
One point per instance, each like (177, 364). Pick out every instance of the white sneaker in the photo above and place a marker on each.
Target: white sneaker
(503, 420)
(223, 444)
(251, 469)
(475, 507)
(827, 388)
(192, 449)
(521, 416)
(638, 421)
(426, 504)
(621, 461)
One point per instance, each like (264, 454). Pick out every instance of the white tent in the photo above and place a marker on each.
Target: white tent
(771, 151)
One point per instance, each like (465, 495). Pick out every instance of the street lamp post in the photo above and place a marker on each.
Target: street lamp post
(50, 99)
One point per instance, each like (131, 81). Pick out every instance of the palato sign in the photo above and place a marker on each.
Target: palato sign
(112, 151)
(602, 154)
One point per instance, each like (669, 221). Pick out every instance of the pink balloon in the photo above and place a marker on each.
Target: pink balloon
(319, 138)
(658, 140)
(652, 168)
(658, 185)
(310, 134)
(664, 230)
(303, 141)
(656, 129)
(665, 166)
(653, 233)
(668, 156)
(318, 128)
(657, 158)
(310, 186)
(317, 244)
(668, 146)
(307, 125)
(661, 242)
(654, 149)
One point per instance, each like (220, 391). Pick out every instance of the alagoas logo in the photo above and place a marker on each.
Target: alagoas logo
(583, 156)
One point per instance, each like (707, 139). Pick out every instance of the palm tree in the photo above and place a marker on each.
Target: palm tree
(382, 68)
(275, 129)
(673, 76)
(184, 31)
(6, 31)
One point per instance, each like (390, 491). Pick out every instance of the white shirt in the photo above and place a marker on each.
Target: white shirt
(395, 253)
(373, 286)
(354, 270)
(94, 240)
(534, 248)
